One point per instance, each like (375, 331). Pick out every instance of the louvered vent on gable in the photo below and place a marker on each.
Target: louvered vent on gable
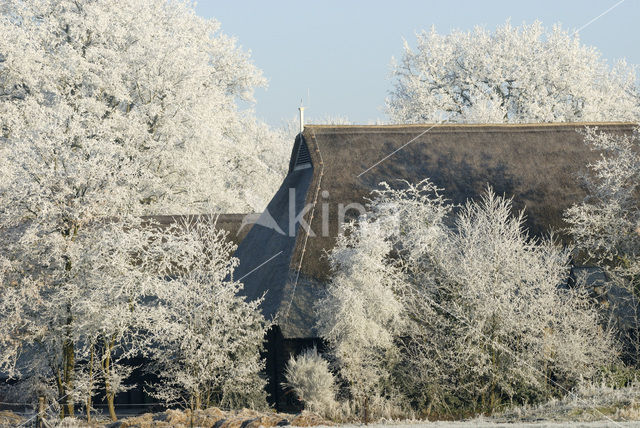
(303, 157)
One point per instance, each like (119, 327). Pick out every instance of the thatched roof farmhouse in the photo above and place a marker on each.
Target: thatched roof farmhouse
(334, 166)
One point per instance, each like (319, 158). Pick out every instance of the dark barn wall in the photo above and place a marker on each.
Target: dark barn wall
(277, 352)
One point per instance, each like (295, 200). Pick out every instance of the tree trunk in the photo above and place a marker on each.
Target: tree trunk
(198, 404)
(69, 367)
(192, 410)
(366, 411)
(40, 422)
(106, 368)
(112, 407)
(89, 393)
(60, 384)
(68, 352)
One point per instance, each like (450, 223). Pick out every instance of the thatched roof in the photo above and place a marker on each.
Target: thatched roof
(536, 164)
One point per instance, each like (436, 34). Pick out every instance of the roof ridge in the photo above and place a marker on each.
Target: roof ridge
(473, 125)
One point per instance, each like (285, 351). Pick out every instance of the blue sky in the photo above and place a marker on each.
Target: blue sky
(336, 54)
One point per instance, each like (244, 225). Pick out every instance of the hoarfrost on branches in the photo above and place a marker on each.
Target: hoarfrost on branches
(456, 310)
(146, 76)
(207, 339)
(309, 377)
(514, 75)
(606, 225)
(110, 110)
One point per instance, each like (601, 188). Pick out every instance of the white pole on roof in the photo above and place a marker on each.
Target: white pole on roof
(301, 110)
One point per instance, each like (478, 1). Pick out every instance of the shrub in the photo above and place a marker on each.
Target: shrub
(456, 312)
(309, 377)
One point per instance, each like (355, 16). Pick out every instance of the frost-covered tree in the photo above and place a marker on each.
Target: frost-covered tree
(606, 225)
(495, 300)
(63, 184)
(134, 289)
(115, 280)
(148, 72)
(206, 338)
(68, 306)
(309, 377)
(108, 110)
(515, 75)
(483, 315)
(360, 315)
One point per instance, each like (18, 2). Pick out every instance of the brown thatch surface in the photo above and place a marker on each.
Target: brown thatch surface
(536, 164)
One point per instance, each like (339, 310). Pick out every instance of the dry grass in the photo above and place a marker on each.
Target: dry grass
(586, 405)
(208, 418)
